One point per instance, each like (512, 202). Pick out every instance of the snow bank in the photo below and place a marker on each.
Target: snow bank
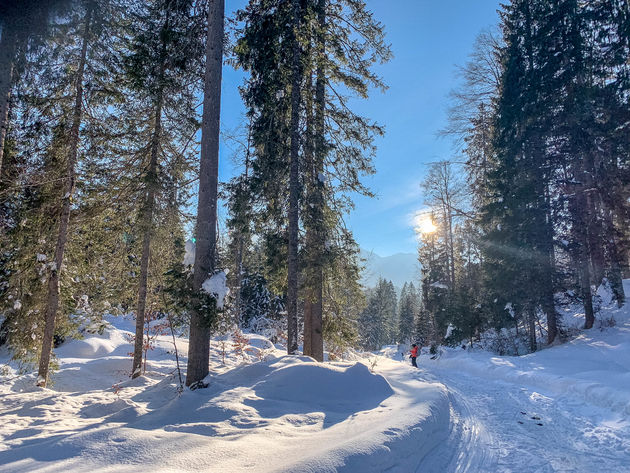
(322, 386)
(594, 367)
(287, 413)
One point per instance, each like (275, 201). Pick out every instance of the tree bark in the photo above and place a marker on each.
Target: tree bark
(615, 258)
(52, 302)
(206, 236)
(8, 47)
(531, 328)
(317, 339)
(548, 302)
(581, 255)
(294, 189)
(310, 222)
(146, 224)
(595, 237)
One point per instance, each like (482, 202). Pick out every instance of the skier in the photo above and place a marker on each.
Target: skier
(414, 354)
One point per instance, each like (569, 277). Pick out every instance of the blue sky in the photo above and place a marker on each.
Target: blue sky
(428, 38)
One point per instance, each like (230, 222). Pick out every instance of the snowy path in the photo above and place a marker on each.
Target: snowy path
(493, 429)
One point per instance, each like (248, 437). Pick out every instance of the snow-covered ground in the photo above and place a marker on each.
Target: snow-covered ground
(563, 409)
(280, 414)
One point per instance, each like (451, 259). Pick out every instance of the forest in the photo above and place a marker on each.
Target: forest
(180, 293)
(535, 214)
(109, 146)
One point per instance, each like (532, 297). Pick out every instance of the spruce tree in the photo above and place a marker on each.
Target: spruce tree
(164, 54)
(52, 303)
(378, 322)
(23, 24)
(339, 42)
(408, 311)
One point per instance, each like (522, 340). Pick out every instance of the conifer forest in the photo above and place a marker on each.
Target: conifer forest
(192, 195)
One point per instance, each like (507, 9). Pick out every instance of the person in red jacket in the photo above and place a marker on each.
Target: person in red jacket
(414, 354)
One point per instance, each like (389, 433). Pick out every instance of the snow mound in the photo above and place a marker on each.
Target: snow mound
(96, 345)
(325, 386)
(91, 347)
(285, 413)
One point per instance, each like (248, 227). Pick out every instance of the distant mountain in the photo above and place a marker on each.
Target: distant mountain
(399, 268)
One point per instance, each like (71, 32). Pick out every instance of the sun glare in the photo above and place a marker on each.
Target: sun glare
(424, 224)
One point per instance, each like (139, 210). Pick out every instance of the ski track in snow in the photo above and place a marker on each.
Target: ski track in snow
(490, 433)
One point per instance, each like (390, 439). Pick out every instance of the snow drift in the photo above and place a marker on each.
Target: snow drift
(286, 413)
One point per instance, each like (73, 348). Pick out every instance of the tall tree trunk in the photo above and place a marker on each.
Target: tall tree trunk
(148, 209)
(549, 304)
(592, 219)
(8, 47)
(548, 301)
(582, 260)
(585, 289)
(310, 221)
(146, 225)
(615, 258)
(531, 328)
(294, 189)
(52, 302)
(240, 249)
(206, 232)
(595, 236)
(317, 339)
(451, 246)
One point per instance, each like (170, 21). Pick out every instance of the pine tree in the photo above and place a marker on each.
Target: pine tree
(339, 42)
(343, 298)
(378, 322)
(520, 235)
(314, 219)
(408, 311)
(163, 55)
(21, 23)
(52, 303)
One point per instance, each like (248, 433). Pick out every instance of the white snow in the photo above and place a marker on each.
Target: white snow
(565, 408)
(439, 285)
(449, 330)
(287, 413)
(189, 253)
(216, 285)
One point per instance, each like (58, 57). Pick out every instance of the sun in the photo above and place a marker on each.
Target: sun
(424, 224)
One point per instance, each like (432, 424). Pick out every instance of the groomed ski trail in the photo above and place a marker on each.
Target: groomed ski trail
(494, 428)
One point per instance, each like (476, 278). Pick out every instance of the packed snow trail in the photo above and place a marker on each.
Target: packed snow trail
(503, 427)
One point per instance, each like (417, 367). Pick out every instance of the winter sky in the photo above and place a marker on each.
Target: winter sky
(428, 38)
